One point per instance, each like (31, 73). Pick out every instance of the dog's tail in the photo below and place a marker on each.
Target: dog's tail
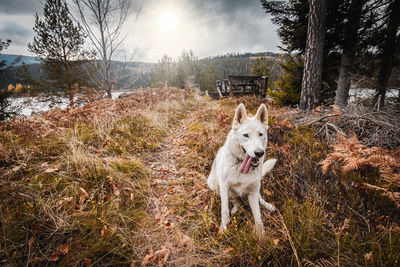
(268, 166)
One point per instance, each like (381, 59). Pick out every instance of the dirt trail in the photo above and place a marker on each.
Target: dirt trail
(174, 187)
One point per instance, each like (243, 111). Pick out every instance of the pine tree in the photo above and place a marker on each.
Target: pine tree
(291, 17)
(58, 43)
(187, 68)
(350, 42)
(312, 73)
(209, 76)
(388, 52)
(161, 73)
(288, 86)
(261, 67)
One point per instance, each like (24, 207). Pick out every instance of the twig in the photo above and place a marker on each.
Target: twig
(290, 239)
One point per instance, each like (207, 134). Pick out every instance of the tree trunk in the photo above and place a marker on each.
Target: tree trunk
(343, 87)
(312, 74)
(389, 51)
(349, 47)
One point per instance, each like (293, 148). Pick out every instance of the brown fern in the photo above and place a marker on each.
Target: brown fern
(355, 156)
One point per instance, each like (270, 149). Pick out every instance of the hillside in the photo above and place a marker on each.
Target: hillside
(10, 58)
(122, 182)
(240, 64)
(135, 73)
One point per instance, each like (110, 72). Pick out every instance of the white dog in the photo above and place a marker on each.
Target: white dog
(236, 170)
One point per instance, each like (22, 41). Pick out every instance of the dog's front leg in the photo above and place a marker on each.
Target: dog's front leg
(255, 209)
(224, 207)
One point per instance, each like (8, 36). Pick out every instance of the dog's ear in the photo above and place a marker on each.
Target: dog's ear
(240, 116)
(262, 115)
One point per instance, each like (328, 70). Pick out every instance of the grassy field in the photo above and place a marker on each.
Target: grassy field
(122, 182)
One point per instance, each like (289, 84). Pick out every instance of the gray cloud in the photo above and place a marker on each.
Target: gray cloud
(18, 34)
(212, 27)
(222, 26)
(11, 7)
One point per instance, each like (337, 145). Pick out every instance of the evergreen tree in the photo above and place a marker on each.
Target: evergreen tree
(187, 68)
(288, 86)
(350, 43)
(312, 73)
(161, 73)
(208, 78)
(58, 43)
(388, 54)
(261, 67)
(353, 40)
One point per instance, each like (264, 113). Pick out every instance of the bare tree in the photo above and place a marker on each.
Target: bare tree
(102, 21)
(312, 74)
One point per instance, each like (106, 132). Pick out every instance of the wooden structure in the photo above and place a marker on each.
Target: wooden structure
(241, 85)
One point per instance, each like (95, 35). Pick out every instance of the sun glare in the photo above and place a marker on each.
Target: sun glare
(168, 21)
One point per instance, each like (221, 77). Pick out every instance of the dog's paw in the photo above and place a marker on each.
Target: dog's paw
(270, 207)
(268, 166)
(234, 209)
(260, 231)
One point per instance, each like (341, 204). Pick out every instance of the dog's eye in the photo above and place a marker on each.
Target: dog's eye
(260, 134)
(246, 135)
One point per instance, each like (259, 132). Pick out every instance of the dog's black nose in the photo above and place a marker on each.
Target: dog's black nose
(259, 153)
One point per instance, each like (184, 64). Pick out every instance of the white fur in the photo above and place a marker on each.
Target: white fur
(225, 177)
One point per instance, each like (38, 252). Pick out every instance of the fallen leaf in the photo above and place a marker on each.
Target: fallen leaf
(162, 255)
(368, 256)
(55, 257)
(88, 262)
(184, 240)
(31, 242)
(275, 241)
(68, 199)
(50, 170)
(84, 195)
(226, 251)
(116, 189)
(132, 197)
(44, 165)
(166, 223)
(133, 264)
(267, 192)
(148, 258)
(63, 249)
(16, 168)
(104, 231)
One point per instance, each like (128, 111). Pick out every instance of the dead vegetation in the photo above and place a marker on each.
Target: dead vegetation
(373, 127)
(122, 182)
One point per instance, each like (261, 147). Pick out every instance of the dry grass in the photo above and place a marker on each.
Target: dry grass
(123, 181)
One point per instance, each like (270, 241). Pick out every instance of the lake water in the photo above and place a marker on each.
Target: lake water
(356, 94)
(34, 105)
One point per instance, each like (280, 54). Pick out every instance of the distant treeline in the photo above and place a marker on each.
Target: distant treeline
(246, 55)
(205, 72)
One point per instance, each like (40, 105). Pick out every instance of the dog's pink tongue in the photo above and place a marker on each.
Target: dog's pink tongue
(245, 167)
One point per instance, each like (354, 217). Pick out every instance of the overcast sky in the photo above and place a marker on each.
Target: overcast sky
(208, 27)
